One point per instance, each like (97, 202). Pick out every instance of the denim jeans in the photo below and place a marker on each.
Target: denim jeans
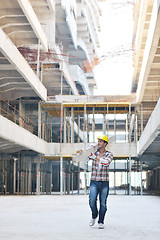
(101, 188)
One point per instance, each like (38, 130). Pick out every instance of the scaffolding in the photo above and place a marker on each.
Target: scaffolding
(68, 123)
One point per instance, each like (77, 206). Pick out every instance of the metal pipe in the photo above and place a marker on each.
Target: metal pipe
(104, 122)
(107, 121)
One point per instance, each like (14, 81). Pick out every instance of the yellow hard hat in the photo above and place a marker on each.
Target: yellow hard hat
(104, 138)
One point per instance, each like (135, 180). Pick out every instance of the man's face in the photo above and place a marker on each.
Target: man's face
(101, 143)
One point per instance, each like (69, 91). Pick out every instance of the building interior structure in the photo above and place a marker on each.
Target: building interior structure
(49, 116)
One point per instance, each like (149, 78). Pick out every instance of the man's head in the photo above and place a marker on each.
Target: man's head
(102, 141)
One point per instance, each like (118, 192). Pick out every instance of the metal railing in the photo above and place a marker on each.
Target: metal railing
(10, 112)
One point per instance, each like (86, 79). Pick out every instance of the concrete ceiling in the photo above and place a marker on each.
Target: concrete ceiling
(9, 147)
(17, 25)
(146, 77)
(151, 157)
(146, 80)
(17, 28)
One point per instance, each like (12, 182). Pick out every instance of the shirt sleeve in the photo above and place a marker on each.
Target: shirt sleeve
(107, 159)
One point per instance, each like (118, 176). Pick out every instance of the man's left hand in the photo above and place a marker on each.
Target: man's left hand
(92, 156)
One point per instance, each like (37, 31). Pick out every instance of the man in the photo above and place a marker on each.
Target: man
(99, 181)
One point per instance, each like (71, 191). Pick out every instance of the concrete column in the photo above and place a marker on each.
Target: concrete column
(38, 55)
(61, 175)
(64, 181)
(69, 131)
(141, 118)
(20, 114)
(61, 80)
(78, 177)
(114, 177)
(126, 176)
(115, 123)
(43, 116)
(26, 176)
(46, 128)
(50, 167)
(72, 176)
(84, 126)
(85, 142)
(104, 123)
(41, 72)
(158, 177)
(93, 124)
(18, 174)
(5, 175)
(65, 129)
(107, 120)
(87, 128)
(39, 120)
(72, 125)
(43, 176)
(14, 176)
(68, 177)
(51, 131)
(79, 122)
(38, 176)
(29, 176)
(61, 157)
(136, 129)
(130, 133)
(21, 175)
(1, 174)
(147, 179)
(127, 128)
(141, 179)
(138, 177)
(129, 176)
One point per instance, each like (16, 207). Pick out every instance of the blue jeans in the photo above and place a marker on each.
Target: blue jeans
(101, 188)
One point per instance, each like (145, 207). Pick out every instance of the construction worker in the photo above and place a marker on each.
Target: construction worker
(99, 183)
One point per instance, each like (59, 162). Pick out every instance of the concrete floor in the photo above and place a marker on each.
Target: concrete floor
(67, 217)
